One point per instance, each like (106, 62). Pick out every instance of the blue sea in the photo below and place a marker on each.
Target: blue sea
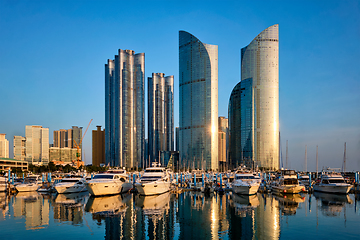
(187, 215)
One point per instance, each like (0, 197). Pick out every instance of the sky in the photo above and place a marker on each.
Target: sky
(53, 53)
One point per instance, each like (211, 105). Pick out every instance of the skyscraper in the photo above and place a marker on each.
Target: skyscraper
(198, 90)
(254, 104)
(160, 114)
(19, 147)
(4, 146)
(37, 145)
(124, 109)
(223, 143)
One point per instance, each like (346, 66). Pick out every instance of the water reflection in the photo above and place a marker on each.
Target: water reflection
(68, 208)
(28, 205)
(188, 215)
(332, 204)
(289, 203)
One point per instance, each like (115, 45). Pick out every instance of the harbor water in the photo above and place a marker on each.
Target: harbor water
(186, 215)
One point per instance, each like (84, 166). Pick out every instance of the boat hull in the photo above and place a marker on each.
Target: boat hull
(152, 188)
(288, 189)
(27, 187)
(245, 189)
(102, 188)
(332, 189)
(70, 188)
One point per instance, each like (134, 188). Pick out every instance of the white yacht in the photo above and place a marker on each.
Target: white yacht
(3, 181)
(287, 183)
(332, 183)
(155, 180)
(246, 183)
(30, 184)
(112, 182)
(71, 184)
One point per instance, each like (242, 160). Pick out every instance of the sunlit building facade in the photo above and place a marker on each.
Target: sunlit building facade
(198, 90)
(124, 109)
(254, 104)
(4, 146)
(160, 114)
(19, 147)
(98, 146)
(37, 145)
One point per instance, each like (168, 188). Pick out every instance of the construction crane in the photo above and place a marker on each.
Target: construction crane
(78, 155)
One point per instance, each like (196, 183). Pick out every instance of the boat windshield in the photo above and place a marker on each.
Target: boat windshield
(150, 178)
(245, 177)
(69, 180)
(103, 176)
(290, 181)
(154, 170)
(336, 181)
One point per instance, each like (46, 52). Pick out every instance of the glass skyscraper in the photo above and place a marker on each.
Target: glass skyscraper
(198, 89)
(254, 104)
(124, 109)
(160, 114)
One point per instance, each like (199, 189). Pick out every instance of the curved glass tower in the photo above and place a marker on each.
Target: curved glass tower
(254, 104)
(198, 89)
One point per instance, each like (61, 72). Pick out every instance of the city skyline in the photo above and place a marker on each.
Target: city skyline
(319, 100)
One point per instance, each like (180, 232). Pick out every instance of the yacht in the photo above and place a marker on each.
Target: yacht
(112, 182)
(155, 180)
(246, 183)
(71, 184)
(287, 183)
(332, 183)
(29, 184)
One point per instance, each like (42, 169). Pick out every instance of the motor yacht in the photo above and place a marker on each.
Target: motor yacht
(155, 180)
(71, 184)
(29, 184)
(112, 182)
(246, 183)
(287, 183)
(332, 183)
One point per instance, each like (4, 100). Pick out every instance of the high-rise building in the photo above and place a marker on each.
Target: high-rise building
(198, 90)
(4, 146)
(19, 148)
(160, 114)
(177, 135)
(65, 137)
(98, 146)
(124, 109)
(254, 104)
(223, 143)
(37, 145)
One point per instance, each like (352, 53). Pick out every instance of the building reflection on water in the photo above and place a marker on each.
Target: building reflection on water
(188, 215)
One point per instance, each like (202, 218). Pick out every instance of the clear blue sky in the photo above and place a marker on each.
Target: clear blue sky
(52, 56)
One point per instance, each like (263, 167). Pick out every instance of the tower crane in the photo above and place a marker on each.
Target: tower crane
(78, 155)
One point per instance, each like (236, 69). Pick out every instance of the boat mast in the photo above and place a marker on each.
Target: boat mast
(305, 159)
(344, 157)
(317, 161)
(287, 154)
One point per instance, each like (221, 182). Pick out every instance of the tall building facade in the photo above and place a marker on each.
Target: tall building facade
(4, 146)
(37, 145)
(98, 146)
(19, 147)
(198, 90)
(223, 143)
(124, 109)
(66, 137)
(160, 114)
(254, 104)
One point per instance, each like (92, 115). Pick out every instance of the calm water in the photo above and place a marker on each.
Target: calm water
(189, 215)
